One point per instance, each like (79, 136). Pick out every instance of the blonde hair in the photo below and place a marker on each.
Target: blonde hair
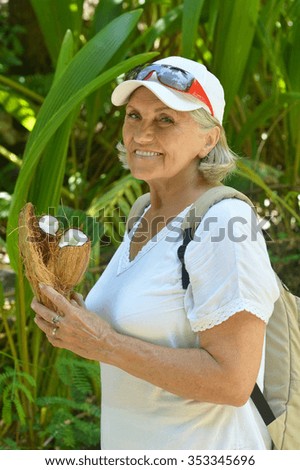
(217, 164)
(221, 160)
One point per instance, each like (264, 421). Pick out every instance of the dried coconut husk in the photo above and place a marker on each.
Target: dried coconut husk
(78, 258)
(45, 262)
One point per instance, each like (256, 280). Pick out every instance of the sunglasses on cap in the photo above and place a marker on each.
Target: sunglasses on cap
(172, 77)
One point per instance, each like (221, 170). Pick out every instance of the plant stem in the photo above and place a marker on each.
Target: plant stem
(18, 87)
(10, 339)
(10, 156)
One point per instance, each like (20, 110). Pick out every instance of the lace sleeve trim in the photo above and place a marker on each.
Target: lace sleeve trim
(224, 313)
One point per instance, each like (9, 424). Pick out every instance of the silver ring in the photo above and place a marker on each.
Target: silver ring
(55, 319)
(54, 331)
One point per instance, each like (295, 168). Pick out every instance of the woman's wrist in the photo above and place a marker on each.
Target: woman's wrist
(109, 346)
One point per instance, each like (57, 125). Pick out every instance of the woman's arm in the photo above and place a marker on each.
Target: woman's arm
(223, 370)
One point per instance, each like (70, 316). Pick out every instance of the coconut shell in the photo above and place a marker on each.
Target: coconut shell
(45, 262)
(34, 252)
(71, 264)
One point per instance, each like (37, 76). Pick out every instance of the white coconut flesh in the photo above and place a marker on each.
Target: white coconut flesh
(73, 237)
(49, 224)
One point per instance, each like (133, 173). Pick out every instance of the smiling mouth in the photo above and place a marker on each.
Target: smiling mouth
(143, 154)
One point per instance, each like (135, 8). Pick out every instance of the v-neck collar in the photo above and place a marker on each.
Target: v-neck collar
(125, 262)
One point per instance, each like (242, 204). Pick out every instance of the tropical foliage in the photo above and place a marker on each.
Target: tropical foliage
(57, 145)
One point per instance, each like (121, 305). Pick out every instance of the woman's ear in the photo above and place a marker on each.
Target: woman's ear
(211, 139)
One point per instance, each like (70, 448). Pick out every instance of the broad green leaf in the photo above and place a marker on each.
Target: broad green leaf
(55, 18)
(190, 23)
(46, 188)
(264, 112)
(83, 68)
(105, 12)
(232, 43)
(65, 55)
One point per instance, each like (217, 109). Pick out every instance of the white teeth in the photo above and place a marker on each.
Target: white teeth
(141, 153)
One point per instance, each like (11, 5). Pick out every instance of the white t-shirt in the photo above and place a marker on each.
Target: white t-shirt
(229, 271)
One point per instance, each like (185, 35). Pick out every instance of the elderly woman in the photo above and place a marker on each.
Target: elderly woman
(177, 366)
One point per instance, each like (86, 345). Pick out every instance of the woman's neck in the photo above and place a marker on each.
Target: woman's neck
(172, 198)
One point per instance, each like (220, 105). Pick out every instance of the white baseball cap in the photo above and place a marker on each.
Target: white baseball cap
(213, 96)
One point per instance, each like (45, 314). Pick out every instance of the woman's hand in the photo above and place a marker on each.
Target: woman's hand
(222, 370)
(72, 326)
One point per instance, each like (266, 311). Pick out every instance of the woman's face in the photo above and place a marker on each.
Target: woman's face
(161, 142)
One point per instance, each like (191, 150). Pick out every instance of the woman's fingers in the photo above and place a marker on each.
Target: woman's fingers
(62, 304)
(41, 310)
(52, 331)
(47, 320)
(77, 298)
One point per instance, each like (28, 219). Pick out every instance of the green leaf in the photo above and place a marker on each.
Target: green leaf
(46, 187)
(262, 113)
(190, 22)
(47, 183)
(55, 18)
(105, 12)
(234, 34)
(84, 67)
(65, 55)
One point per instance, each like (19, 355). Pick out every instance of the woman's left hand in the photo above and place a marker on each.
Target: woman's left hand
(73, 327)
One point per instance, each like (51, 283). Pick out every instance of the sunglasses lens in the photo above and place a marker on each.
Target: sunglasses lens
(170, 76)
(144, 73)
(175, 78)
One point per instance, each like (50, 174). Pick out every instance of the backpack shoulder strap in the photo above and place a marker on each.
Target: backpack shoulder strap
(136, 211)
(196, 214)
(207, 200)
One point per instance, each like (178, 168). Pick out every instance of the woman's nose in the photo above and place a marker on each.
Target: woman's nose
(144, 133)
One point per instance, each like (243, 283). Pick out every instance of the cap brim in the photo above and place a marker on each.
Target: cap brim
(171, 98)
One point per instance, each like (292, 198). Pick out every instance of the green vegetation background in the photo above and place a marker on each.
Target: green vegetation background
(59, 61)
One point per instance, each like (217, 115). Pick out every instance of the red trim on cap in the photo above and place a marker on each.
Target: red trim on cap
(195, 90)
(198, 92)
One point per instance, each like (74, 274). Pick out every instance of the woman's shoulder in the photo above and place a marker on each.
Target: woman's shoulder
(229, 212)
(230, 206)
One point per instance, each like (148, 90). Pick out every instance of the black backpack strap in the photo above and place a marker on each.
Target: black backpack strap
(197, 212)
(187, 237)
(262, 405)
